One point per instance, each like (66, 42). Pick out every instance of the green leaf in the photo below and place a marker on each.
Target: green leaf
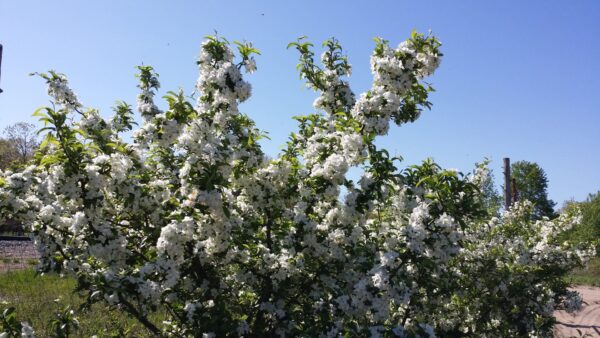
(38, 112)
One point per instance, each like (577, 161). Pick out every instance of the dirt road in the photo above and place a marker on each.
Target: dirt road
(587, 319)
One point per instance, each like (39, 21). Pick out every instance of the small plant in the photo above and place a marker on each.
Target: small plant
(11, 327)
(65, 321)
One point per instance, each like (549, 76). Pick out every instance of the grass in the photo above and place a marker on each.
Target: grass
(588, 276)
(34, 297)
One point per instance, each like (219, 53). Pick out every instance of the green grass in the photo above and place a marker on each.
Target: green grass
(588, 276)
(34, 296)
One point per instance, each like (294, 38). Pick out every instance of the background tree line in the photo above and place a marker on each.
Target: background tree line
(18, 144)
(531, 183)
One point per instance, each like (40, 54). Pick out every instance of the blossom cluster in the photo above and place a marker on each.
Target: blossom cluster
(194, 218)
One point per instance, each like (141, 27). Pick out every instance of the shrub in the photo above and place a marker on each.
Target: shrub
(193, 217)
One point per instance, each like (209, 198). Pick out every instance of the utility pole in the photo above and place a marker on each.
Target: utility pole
(0, 64)
(507, 184)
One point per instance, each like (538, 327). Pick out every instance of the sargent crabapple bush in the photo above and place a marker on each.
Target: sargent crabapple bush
(192, 217)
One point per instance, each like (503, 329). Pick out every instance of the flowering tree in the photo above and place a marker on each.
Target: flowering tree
(192, 217)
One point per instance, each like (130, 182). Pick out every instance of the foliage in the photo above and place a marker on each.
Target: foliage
(7, 153)
(589, 227)
(11, 327)
(531, 183)
(192, 217)
(18, 145)
(588, 275)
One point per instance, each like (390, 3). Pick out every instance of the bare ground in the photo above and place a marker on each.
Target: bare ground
(587, 320)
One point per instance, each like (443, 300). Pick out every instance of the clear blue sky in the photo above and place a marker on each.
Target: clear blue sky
(519, 79)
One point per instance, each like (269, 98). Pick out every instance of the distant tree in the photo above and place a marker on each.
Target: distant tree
(18, 144)
(23, 137)
(7, 153)
(532, 184)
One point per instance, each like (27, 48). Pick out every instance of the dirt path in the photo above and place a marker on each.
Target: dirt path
(587, 319)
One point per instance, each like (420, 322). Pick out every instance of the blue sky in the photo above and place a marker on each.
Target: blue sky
(519, 79)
